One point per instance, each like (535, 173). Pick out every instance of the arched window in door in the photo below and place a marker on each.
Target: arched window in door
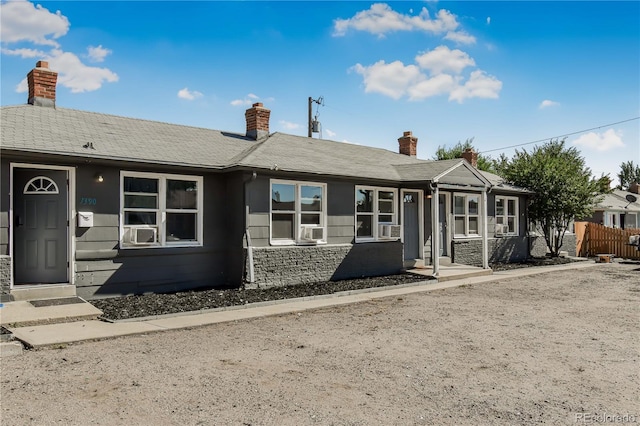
(41, 185)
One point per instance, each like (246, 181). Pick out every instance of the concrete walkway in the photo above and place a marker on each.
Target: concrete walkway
(41, 336)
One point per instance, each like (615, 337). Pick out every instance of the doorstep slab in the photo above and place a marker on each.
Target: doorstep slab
(55, 334)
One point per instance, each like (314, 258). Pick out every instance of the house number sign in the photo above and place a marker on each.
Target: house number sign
(85, 201)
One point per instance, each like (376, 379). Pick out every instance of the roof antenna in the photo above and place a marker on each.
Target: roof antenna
(631, 199)
(314, 124)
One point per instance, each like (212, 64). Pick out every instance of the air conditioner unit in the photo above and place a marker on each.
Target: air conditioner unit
(312, 233)
(501, 229)
(142, 236)
(389, 232)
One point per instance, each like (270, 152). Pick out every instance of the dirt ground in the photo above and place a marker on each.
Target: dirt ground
(556, 348)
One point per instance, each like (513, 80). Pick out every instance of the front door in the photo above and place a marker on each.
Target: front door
(40, 233)
(442, 225)
(411, 221)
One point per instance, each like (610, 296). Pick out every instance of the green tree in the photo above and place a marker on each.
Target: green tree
(629, 173)
(485, 162)
(563, 187)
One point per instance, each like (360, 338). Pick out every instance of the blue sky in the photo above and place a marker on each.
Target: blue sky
(504, 73)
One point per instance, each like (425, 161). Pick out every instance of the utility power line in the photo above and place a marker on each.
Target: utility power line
(560, 136)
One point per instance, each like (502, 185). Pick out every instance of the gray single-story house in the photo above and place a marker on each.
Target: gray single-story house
(616, 211)
(114, 205)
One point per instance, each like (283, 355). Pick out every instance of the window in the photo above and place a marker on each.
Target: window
(466, 215)
(374, 207)
(41, 185)
(507, 215)
(160, 210)
(298, 212)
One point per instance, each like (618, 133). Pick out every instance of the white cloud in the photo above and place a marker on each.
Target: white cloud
(24, 21)
(23, 86)
(443, 59)
(380, 19)
(249, 100)
(289, 125)
(240, 102)
(479, 85)
(488, 20)
(600, 141)
(445, 68)
(75, 75)
(24, 53)
(391, 79)
(547, 103)
(189, 95)
(72, 73)
(434, 86)
(97, 54)
(460, 37)
(330, 133)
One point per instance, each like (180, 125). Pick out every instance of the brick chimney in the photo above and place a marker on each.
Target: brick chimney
(635, 188)
(471, 156)
(42, 85)
(408, 144)
(257, 121)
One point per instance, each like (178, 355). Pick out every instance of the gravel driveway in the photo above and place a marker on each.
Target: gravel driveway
(549, 348)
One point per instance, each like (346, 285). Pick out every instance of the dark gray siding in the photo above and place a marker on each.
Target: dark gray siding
(234, 215)
(104, 270)
(340, 258)
(4, 207)
(491, 212)
(340, 211)
(428, 259)
(596, 217)
(505, 249)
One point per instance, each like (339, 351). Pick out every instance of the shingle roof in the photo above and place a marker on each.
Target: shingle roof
(617, 201)
(67, 131)
(499, 183)
(319, 156)
(94, 135)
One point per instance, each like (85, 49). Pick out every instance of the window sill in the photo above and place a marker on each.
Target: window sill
(158, 246)
(373, 240)
(467, 237)
(290, 243)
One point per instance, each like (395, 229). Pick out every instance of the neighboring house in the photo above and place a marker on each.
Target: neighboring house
(615, 211)
(113, 205)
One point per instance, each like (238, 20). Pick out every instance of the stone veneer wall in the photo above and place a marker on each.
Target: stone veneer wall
(539, 246)
(5, 274)
(506, 249)
(569, 244)
(281, 266)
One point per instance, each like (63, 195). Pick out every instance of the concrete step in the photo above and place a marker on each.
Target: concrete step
(24, 313)
(42, 291)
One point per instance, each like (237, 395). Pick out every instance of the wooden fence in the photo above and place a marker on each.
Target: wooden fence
(593, 239)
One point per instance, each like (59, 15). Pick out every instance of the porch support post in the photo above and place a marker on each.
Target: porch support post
(485, 242)
(435, 231)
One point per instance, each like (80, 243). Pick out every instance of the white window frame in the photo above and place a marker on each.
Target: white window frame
(375, 222)
(506, 215)
(162, 210)
(297, 212)
(466, 214)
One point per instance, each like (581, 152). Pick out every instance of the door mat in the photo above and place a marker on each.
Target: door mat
(56, 302)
